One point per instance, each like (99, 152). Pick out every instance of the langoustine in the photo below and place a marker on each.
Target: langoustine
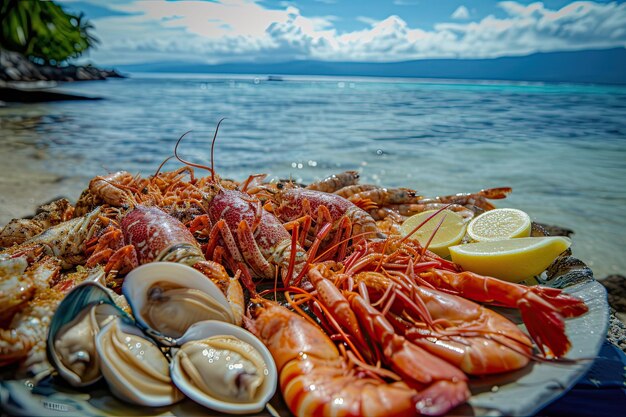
(316, 379)
(472, 337)
(538, 305)
(314, 210)
(252, 238)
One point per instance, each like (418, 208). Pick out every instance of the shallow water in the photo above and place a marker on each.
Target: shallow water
(561, 147)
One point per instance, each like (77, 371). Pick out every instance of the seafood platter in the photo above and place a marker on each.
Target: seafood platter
(184, 293)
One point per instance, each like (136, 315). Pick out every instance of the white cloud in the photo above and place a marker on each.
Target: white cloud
(534, 28)
(243, 30)
(461, 13)
(367, 20)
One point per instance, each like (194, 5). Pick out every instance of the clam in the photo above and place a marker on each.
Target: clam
(73, 328)
(135, 368)
(167, 298)
(224, 367)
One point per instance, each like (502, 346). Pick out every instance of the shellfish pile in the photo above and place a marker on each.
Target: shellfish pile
(203, 355)
(147, 282)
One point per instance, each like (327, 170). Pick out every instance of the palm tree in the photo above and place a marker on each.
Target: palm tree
(43, 31)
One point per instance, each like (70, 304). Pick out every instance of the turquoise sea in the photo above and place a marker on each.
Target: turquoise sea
(561, 147)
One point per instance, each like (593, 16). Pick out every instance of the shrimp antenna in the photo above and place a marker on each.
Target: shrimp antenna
(161, 166)
(187, 162)
(213, 147)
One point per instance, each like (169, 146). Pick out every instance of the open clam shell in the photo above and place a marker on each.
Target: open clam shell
(134, 367)
(224, 367)
(167, 298)
(71, 336)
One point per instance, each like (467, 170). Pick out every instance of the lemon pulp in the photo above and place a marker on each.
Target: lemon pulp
(512, 259)
(450, 233)
(497, 224)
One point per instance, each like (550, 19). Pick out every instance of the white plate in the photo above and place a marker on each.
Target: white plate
(528, 390)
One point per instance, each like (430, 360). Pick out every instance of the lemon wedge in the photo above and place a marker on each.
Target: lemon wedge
(450, 233)
(512, 259)
(497, 224)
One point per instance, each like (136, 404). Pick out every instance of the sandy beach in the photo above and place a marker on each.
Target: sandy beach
(25, 185)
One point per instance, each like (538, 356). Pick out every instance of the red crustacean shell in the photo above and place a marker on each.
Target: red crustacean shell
(295, 203)
(234, 206)
(152, 231)
(291, 206)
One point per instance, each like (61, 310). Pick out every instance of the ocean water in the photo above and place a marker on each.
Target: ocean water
(562, 148)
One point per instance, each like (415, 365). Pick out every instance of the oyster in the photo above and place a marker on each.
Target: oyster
(224, 367)
(134, 367)
(71, 338)
(167, 298)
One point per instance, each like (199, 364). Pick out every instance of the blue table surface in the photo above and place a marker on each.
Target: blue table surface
(601, 392)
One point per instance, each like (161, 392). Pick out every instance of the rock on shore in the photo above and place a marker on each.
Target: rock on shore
(616, 288)
(16, 67)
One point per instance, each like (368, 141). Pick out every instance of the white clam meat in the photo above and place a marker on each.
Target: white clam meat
(171, 309)
(167, 298)
(71, 338)
(224, 367)
(134, 367)
(235, 364)
(75, 344)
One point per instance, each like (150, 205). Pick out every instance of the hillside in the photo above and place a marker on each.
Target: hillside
(594, 66)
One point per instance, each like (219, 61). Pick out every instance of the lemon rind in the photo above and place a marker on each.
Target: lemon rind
(511, 251)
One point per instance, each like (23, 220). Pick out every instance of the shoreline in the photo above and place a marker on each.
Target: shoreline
(24, 81)
(35, 185)
(24, 185)
(21, 195)
(15, 67)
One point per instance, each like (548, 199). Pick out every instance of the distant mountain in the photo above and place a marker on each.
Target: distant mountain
(594, 66)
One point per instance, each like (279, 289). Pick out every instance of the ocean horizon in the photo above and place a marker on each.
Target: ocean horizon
(280, 77)
(599, 66)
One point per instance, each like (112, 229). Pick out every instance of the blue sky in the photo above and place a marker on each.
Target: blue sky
(142, 31)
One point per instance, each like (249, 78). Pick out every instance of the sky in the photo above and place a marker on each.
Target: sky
(227, 31)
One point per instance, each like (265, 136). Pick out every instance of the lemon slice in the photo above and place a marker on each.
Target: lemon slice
(497, 224)
(450, 233)
(512, 259)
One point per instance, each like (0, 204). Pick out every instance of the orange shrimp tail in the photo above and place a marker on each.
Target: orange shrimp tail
(545, 324)
(568, 305)
(441, 397)
(364, 203)
(496, 193)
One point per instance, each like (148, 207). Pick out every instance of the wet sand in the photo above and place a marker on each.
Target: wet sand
(25, 184)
